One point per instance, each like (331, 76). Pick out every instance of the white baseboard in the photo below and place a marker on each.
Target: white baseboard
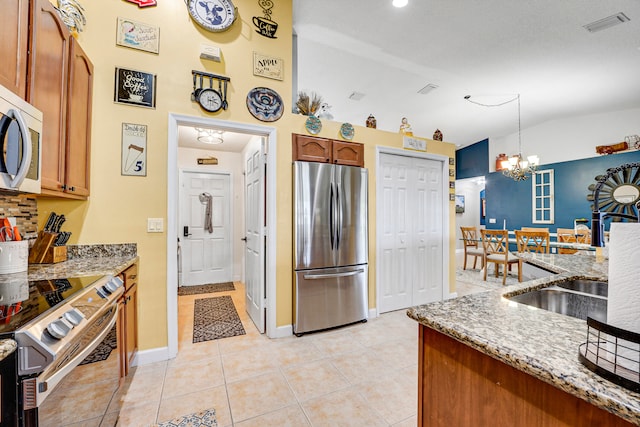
(146, 357)
(282, 332)
(452, 295)
(373, 313)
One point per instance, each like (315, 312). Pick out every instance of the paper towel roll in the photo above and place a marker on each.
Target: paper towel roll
(623, 305)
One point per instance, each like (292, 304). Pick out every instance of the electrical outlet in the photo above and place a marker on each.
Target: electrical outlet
(155, 225)
(492, 220)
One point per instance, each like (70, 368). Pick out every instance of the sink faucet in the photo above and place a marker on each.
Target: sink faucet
(597, 223)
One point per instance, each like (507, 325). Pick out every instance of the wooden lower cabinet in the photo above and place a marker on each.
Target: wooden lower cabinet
(460, 386)
(128, 320)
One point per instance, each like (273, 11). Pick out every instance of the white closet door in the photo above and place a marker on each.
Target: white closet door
(427, 232)
(411, 238)
(395, 282)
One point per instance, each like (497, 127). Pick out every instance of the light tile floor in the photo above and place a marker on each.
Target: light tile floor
(359, 375)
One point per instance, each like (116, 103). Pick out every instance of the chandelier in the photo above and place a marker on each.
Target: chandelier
(210, 136)
(515, 167)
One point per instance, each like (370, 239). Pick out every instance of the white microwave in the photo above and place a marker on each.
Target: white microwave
(20, 139)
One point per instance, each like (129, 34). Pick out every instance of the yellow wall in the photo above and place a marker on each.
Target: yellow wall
(119, 206)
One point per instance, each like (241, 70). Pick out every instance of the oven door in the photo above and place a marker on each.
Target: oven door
(67, 393)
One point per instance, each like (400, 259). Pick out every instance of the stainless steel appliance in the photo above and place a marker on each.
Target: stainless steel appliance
(330, 238)
(20, 137)
(56, 324)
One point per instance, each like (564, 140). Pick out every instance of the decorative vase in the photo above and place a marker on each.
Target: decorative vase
(437, 135)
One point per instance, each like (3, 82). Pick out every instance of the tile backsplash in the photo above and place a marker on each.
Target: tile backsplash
(25, 211)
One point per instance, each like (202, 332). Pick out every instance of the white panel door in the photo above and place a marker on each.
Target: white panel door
(411, 237)
(427, 232)
(205, 253)
(254, 235)
(395, 282)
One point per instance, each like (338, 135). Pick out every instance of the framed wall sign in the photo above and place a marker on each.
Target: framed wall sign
(268, 66)
(136, 35)
(135, 88)
(134, 149)
(414, 143)
(459, 203)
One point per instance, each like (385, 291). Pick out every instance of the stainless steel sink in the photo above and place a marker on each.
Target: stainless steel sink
(592, 287)
(568, 302)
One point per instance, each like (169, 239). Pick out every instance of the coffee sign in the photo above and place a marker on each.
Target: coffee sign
(264, 24)
(268, 66)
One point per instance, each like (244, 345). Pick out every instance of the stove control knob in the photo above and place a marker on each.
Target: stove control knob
(59, 328)
(74, 316)
(112, 285)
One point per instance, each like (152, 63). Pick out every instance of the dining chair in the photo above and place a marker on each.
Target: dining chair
(568, 235)
(472, 247)
(532, 241)
(496, 250)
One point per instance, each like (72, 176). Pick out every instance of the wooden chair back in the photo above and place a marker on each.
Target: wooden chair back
(567, 235)
(495, 242)
(469, 237)
(532, 241)
(535, 229)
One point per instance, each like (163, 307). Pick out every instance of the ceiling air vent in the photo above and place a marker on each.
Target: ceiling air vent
(356, 96)
(428, 88)
(607, 22)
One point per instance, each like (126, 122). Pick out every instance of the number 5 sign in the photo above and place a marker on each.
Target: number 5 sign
(134, 149)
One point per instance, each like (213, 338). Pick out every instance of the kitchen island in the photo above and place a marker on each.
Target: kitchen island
(486, 360)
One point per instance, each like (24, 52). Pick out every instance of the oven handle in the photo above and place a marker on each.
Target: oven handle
(44, 387)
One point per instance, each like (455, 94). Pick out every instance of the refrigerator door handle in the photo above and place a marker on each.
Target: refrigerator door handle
(331, 216)
(339, 216)
(333, 275)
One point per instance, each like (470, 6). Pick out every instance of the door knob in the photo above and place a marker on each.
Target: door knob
(244, 239)
(185, 231)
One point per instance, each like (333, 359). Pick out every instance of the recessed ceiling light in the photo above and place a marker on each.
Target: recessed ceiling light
(400, 3)
(604, 23)
(356, 96)
(428, 88)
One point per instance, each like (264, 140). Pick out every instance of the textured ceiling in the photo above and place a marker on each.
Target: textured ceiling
(491, 50)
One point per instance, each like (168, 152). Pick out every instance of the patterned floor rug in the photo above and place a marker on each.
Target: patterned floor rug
(201, 419)
(104, 349)
(206, 289)
(215, 318)
(475, 277)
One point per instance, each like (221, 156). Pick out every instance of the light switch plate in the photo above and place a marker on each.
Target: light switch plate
(492, 220)
(155, 225)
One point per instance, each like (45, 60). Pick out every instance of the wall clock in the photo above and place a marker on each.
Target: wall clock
(212, 15)
(210, 100)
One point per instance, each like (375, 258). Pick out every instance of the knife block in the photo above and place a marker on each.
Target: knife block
(55, 254)
(41, 246)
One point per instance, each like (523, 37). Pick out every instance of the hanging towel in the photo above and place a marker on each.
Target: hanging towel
(206, 198)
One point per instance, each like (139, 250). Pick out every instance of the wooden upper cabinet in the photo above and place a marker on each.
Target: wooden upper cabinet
(14, 36)
(324, 150)
(348, 153)
(311, 149)
(47, 89)
(78, 132)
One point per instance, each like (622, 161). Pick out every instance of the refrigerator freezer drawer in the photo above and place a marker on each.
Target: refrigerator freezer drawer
(330, 297)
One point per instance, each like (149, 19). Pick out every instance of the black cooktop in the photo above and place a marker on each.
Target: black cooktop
(22, 301)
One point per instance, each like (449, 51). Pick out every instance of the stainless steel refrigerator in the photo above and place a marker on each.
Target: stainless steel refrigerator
(330, 239)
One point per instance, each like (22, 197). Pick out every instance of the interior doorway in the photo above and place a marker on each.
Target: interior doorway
(268, 137)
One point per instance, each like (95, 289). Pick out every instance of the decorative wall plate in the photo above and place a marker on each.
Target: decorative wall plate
(347, 131)
(212, 15)
(313, 125)
(265, 104)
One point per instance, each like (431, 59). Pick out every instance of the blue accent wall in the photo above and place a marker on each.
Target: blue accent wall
(511, 200)
(473, 160)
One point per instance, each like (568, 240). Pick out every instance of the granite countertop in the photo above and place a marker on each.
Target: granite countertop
(538, 342)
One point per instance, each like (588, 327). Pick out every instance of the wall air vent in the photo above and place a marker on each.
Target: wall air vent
(607, 22)
(428, 88)
(356, 96)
